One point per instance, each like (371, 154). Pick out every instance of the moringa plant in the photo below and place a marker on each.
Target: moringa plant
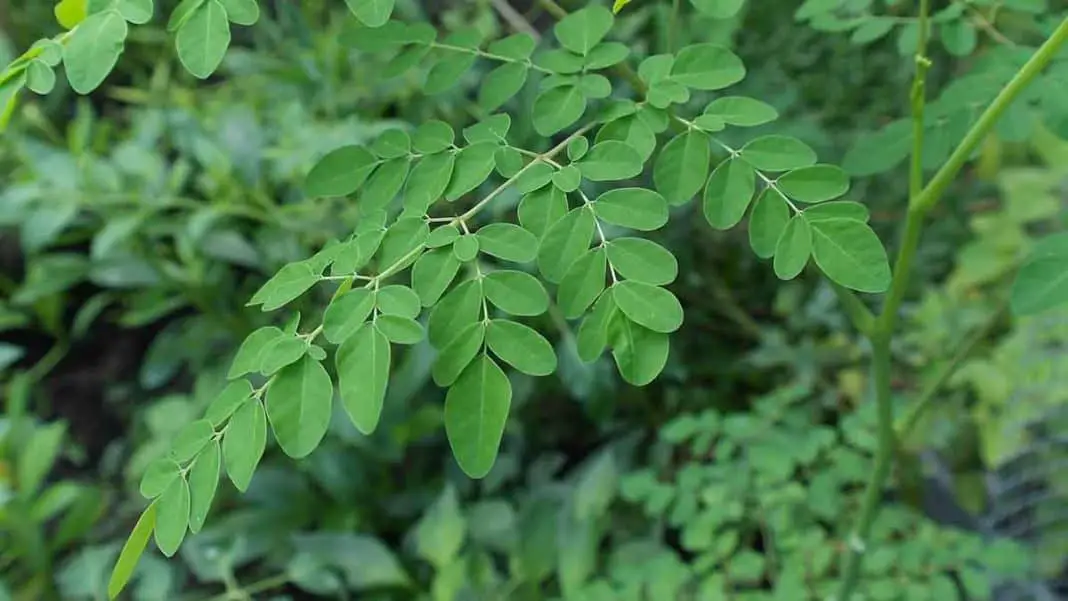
(424, 261)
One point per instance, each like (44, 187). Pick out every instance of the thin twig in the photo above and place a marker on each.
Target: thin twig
(515, 20)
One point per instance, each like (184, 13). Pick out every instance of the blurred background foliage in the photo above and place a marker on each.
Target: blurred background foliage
(136, 223)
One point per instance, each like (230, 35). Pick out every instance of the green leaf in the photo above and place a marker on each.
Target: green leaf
(518, 46)
(793, 249)
(203, 39)
(385, 183)
(718, 9)
(473, 165)
(583, 283)
(682, 166)
(521, 346)
(640, 353)
(404, 236)
(539, 210)
(564, 242)
(959, 37)
(728, 193)
(559, 61)
(399, 329)
(766, 223)
(340, 172)
(476, 410)
(814, 184)
(535, 176)
(363, 364)
(611, 160)
(190, 440)
(38, 455)
(592, 335)
(741, 111)
(203, 480)
(458, 354)
(442, 236)
(447, 72)
(456, 310)
(508, 242)
(501, 84)
(244, 442)
(595, 86)
(642, 260)
(137, 12)
(298, 404)
(568, 179)
(632, 130)
(158, 476)
(850, 254)
(1042, 282)
(578, 147)
(650, 306)
(432, 137)
(392, 143)
(181, 14)
(346, 314)
(583, 29)
(69, 13)
(40, 77)
(289, 283)
(842, 209)
(872, 29)
(606, 54)
(172, 517)
(280, 352)
(226, 402)
(398, 300)
(372, 13)
(635, 208)
(465, 248)
(557, 108)
(433, 273)
(131, 552)
(242, 12)
(516, 293)
(508, 161)
(491, 129)
(93, 49)
(778, 153)
(707, 67)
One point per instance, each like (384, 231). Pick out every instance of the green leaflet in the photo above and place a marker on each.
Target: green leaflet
(509, 242)
(593, 333)
(814, 184)
(298, 405)
(516, 293)
(491, 129)
(707, 67)
(682, 166)
(557, 108)
(578, 147)
(650, 306)
(476, 410)
(635, 208)
(433, 273)
(403, 237)
(465, 248)
(1042, 282)
(384, 184)
(372, 13)
(442, 236)
(456, 310)
(778, 153)
(346, 314)
(583, 283)
(132, 551)
(850, 254)
(289, 283)
(517, 46)
(473, 165)
(728, 193)
(501, 84)
(203, 480)
(447, 72)
(632, 130)
(640, 353)
(399, 329)
(432, 137)
(568, 179)
(158, 476)
(769, 217)
(244, 442)
(539, 210)
(741, 111)
(226, 402)
(363, 367)
(172, 517)
(538, 174)
(793, 249)
(564, 242)
(398, 300)
(93, 49)
(190, 440)
(280, 352)
(457, 355)
(606, 54)
(392, 144)
(521, 347)
(611, 160)
(583, 29)
(242, 12)
(642, 260)
(203, 38)
(843, 209)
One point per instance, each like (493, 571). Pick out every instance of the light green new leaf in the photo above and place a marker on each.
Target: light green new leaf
(247, 359)
(404, 236)
(647, 305)
(611, 160)
(346, 314)
(640, 353)
(244, 442)
(433, 273)
(385, 183)
(242, 12)
(535, 176)
(203, 39)
(203, 480)
(289, 283)
(778, 153)
(172, 517)
(473, 165)
(539, 210)
(635, 208)
(509, 242)
(190, 440)
(814, 184)
(741, 111)
(642, 260)
(840, 209)
(501, 84)
(398, 300)
(568, 179)
(298, 405)
(557, 108)
(592, 337)
(93, 49)
(564, 242)
(399, 329)
(158, 476)
(456, 310)
(583, 29)
(728, 193)
(793, 249)
(682, 166)
(454, 358)
(768, 219)
(432, 137)
(363, 364)
(850, 254)
(476, 410)
(372, 13)
(131, 552)
(516, 293)
(707, 67)
(69, 13)
(340, 172)
(465, 248)
(1042, 282)
(583, 283)
(226, 402)
(521, 346)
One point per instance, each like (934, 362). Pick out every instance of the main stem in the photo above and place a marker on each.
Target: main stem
(922, 200)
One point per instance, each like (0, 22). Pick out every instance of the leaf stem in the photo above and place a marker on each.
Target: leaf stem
(489, 55)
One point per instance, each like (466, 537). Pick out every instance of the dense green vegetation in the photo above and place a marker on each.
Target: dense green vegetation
(476, 300)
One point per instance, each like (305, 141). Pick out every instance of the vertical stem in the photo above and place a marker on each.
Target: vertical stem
(673, 26)
(918, 99)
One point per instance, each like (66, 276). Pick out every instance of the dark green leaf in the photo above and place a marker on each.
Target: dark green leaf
(491, 129)
(517, 47)
(635, 208)
(363, 364)
(428, 181)
(606, 54)
(247, 359)
(650, 306)
(465, 248)
(385, 183)
(190, 440)
(372, 13)
(392, 143)
(476, 410)
(501, 84)
(632, 130)
(535, 176)
(442, 236)
(842, 209)
(447, 72)
(398, 300)
(516, 293)
(299, 403)
(404, 236)
(226, 402)
(158, 476)
(289, 283)
(521, 347)
(578, 147)
(568, 179)
(280, 352)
